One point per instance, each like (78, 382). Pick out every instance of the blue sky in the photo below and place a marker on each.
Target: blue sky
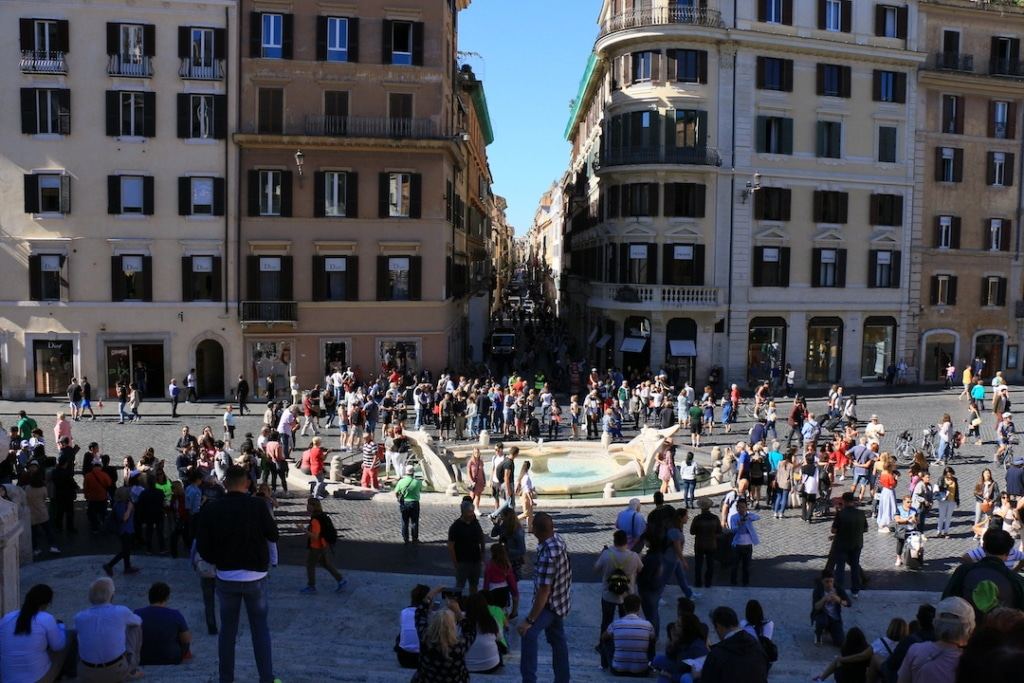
(533, 53)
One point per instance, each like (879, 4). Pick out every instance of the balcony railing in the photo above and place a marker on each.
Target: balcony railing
(201, 72)
(1005, 67)
(270, 312)
(631, 156)
(661, 296)
(661, 16)
(43, 62)
(130, 67)
(373, 127)
(952, 61)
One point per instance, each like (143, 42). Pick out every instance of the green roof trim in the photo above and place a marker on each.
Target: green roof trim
(483, 114)
(577, 104)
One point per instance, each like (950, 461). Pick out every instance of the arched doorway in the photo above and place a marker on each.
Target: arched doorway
(681, 350)
(989, 348)
(940, 348)
(210, 369)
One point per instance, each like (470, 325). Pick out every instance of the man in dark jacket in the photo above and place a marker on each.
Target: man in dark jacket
(848, 528)
(235, 535)
(827, 602)
(988, 583)
(737, 657)
(242, 391)
(705, 529)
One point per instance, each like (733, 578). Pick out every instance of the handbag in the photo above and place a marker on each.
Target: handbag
(986, 506)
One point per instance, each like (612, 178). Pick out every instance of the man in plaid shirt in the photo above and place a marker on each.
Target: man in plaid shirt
(551, 602)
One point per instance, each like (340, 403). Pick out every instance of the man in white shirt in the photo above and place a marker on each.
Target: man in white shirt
(190, 384)
(109, 637)
(337, 382)
(285, 426)
(874, 430)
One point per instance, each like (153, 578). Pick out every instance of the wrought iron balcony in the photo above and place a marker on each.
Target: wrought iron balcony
(43, 62)
(373, 127)
(130, 67)
(662, 16)
(638, 156)
(998, 66)
(952, 61)
(201, 72)
(270, 312)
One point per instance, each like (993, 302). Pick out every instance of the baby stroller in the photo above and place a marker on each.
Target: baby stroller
(913, 551)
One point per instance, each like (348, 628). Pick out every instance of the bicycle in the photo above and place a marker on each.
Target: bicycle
(904, 449)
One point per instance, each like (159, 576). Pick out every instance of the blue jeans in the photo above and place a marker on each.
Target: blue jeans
(781, 498)
(286, 445)
(231, 595)
(120, 410)
(851, 556)
(554, 628)
(649, 599)
(681, 580)
(689, 487)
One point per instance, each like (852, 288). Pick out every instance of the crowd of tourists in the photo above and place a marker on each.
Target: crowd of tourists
(215, 504)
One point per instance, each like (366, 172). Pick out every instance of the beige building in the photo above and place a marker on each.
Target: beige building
(545, 237)
(741, 186)
(966, 262)
(365, 187)
(118, 222)
(501, 250)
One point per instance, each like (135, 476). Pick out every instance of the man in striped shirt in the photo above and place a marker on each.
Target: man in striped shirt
(551, 602)
(628, 640)
(370, 463)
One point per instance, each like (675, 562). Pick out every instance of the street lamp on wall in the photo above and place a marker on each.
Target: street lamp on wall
(752, 186)
(300, 160)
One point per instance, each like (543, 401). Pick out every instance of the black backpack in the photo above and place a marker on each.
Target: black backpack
(327, 530)
(617, 582)
(771, 650)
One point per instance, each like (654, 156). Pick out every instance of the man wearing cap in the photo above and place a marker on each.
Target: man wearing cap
(466, 547)
(874, 430)
(1004, 432)
(407, 491)
(705, 529)
(936, 661)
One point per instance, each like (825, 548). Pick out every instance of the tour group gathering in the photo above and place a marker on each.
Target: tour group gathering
(210, 495)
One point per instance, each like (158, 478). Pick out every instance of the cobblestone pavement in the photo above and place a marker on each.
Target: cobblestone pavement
(790, 551)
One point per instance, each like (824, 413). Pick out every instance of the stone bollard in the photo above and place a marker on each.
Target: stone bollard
(336, 468)
(609, 491)
(10, 562)
(452, 490)
(485, 439)
(716, 474)
(606, 440)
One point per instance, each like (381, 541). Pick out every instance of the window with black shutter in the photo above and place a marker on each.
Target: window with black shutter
(772, 204)
(686, 200)
(131, 277)
(774, 73)
(45, 111)
(403, 43)
(47, 277)
(774, 135)
(771, 267)
(270, 115)
(886, 209)
(830, 206)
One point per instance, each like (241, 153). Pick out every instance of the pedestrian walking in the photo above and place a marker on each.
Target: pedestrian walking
(242, 394)
(948, 501)
(190, 384)
(466, 547)
(848, 529)
(551, 603)
(123, 521)
(321, 536)
(744, 539)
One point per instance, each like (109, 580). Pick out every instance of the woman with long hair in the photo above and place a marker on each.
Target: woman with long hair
(485, 654)
(477, 478)
(887, 482)
(442, 647)
(986, 495)
(510, 533)
(32, 642)
(755, 623)
(949, 500)
(527, 494)
(855, 655)
(945, 435)
(686, 640)
(500, 580)
(39, 512)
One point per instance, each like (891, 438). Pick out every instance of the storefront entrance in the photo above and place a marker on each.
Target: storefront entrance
(878, 348)
(766, 349)
(824, 350)
(54, 365)
(142, 364)
(210, 369)
(681, 350)
(636, 346)
(939, 349)
(989, 348)
(335, 357)
(273, 359)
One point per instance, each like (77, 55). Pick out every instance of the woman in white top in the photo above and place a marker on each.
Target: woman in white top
(755, 622)
(527, 492)
(407, 644)
(32, 643)
(484, 655)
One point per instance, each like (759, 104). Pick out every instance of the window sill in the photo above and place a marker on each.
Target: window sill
(132, 139)
(42, 137)
(201, 217)
(49, 216)
(131, 216)
(200, 141)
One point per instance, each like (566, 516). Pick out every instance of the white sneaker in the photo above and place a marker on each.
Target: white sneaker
(899, 561)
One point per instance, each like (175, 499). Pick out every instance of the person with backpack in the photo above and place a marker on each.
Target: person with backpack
(618, 567)
(989, 583)
(407, 491)
(321, 536)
